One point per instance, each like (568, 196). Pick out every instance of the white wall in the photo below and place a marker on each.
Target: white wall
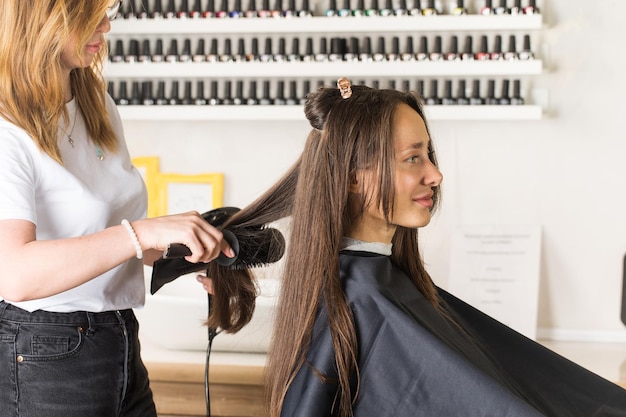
(565, 172)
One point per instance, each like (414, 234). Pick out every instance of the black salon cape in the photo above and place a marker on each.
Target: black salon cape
(415, 363)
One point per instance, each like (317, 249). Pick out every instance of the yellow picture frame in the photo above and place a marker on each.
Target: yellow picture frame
(178, 193)
(148, 167)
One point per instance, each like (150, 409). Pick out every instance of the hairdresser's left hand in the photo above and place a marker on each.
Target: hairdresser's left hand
(207, 283)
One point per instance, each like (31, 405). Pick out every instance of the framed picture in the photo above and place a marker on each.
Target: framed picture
(148, 167)
(178, 193)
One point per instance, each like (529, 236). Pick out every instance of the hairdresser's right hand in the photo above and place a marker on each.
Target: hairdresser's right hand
(205, 241)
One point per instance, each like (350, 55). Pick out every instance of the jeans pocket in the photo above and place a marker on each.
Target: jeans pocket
(44, 342)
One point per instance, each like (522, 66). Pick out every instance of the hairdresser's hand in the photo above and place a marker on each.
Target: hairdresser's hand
(205, 241)
(207, 283)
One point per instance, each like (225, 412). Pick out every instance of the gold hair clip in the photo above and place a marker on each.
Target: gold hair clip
(345, 87)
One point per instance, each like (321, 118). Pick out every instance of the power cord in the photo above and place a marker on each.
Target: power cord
(212, 332)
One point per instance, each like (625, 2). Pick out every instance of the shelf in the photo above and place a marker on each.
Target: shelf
(296, 113)
(327, 25)
(321, 69)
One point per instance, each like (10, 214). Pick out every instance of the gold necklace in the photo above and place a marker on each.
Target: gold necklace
(99, 153)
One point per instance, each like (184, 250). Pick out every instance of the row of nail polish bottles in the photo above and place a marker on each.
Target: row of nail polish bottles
(333, 49)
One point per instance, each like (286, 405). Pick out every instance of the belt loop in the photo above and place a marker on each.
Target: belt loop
(3, 307)
(91, 324)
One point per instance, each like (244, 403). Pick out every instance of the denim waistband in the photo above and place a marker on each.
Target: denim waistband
(10, 312)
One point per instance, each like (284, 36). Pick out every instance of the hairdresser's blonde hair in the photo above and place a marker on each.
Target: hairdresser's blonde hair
(32, 38)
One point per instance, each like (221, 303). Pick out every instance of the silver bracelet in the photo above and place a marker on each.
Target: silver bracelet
(133, 237)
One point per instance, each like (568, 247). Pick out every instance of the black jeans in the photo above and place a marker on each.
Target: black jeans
(76, 364)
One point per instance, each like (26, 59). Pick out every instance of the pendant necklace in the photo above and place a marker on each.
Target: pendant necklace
(99, 153)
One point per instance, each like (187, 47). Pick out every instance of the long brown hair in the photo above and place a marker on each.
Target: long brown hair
(347, 135)
(31, 75)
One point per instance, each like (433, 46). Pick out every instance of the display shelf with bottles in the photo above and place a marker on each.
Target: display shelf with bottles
(164, 45)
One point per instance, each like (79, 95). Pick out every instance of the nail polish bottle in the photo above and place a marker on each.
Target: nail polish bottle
(160, 99)
(501, 9)
(394, 55)
(436, 54)
(406, 86)
(144, 53)
(392, 85)
(416, 10)
(280, 99)
(433, 99)
(526, 53)
(468, 52)
(373, 9)
(419, 89)
(133, 51)
(516, 98)
(228, 98)
(186, 100)
(505, 99)
(366, 50)
(423, 53)
(251, 12)
(142, 11)
(496, 54)
(170, 12)
(352, 51)
(292, 97)
(461, 95)
(511, 53)
(237, 11)
(172, 53)
(240, 56)
(196, 10)
(430, 10)
(111, 90)
(266, 99)
(483, 51)
(453, 52)
(387, 10)
(118, 55)
(409, 51)
(375, 84)
(158, 52)
(135, 94)
(265, 11)
(306, 89)
(491, 99)
(267, 54)
(282, 50)
(222, 11)
(517, 7)
(209, 12)
(402, 9)
(476, 99)
(531, 8)
(200, 54)
(129, 11)
(447, 99)
(253, 56)
(459, 9)
(183, 10)
(277, 11)
(174, 98)
(308, 53)
(227, 54)
(359, 10)
(122, 95)
(294, 56)
(345, 10)
(305, 10)
(185, 55)
(290, 11)
(146, 93)
(487, 9)
(238, 100)
(380, 55)
(214, 99)
(337, 49)
(252, 97)
(157, 10)
(332, 9)
(322, 54)
(212, 56)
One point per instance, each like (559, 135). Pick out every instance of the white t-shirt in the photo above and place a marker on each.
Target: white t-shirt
(83, 196)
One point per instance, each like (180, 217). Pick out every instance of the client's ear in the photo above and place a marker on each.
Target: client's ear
(354, 187)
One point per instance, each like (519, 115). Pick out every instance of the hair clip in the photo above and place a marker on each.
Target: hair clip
(345, 87)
